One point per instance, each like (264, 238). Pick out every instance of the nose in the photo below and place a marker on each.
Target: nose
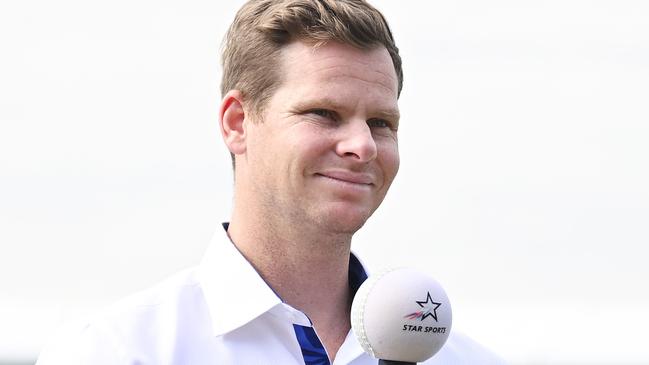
(357, 142)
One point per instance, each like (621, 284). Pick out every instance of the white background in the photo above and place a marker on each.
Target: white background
(524, 185)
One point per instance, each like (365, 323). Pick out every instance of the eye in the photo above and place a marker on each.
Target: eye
(324, 113)
(379, 123)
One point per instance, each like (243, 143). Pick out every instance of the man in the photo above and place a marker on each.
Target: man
(310, 116)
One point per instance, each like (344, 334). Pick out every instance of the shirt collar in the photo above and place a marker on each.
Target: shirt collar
(236, 294)
(234, 291)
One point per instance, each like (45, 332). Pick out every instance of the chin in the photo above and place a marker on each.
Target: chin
(345, 220)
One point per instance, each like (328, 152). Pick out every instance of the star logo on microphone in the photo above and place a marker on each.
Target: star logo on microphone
(429, 308)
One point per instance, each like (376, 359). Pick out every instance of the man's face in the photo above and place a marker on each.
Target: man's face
(326, 150)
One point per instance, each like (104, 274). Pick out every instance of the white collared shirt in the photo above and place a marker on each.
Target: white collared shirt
(220, 312)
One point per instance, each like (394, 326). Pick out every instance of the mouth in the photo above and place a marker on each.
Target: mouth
(351, 178)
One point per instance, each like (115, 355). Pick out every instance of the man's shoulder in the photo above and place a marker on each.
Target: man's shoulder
(171, 291)
(461, 349)
(155, 317)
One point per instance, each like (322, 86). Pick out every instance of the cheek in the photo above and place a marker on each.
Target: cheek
(300, 156)
(389, 160)
(310, 144)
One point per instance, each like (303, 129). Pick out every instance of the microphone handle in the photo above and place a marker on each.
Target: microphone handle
(392, 362)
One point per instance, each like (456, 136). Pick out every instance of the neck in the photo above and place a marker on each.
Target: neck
(308, 269)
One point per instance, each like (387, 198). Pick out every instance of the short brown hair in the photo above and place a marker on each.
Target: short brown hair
(261, 28)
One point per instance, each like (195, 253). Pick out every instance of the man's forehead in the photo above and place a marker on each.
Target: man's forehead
(336, 60)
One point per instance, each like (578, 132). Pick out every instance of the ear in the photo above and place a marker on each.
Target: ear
(231, 120)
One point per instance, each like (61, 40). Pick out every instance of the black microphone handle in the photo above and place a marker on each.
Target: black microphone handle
(392, 362)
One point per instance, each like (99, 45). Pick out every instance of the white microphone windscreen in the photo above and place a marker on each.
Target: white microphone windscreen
(401, 315)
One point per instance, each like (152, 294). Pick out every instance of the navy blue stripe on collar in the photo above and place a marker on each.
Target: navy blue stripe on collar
(313, 351)
(357, 274)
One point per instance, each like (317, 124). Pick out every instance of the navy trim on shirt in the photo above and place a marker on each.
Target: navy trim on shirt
(357, 274)
(312, 349)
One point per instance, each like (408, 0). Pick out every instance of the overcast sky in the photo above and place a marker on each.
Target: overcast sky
(524, 184)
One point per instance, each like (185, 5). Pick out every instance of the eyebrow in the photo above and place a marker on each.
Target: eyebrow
(391, 114)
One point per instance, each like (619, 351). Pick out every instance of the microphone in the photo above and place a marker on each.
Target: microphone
(401, 316)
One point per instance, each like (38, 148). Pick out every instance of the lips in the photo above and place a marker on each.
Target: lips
(349, 177)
